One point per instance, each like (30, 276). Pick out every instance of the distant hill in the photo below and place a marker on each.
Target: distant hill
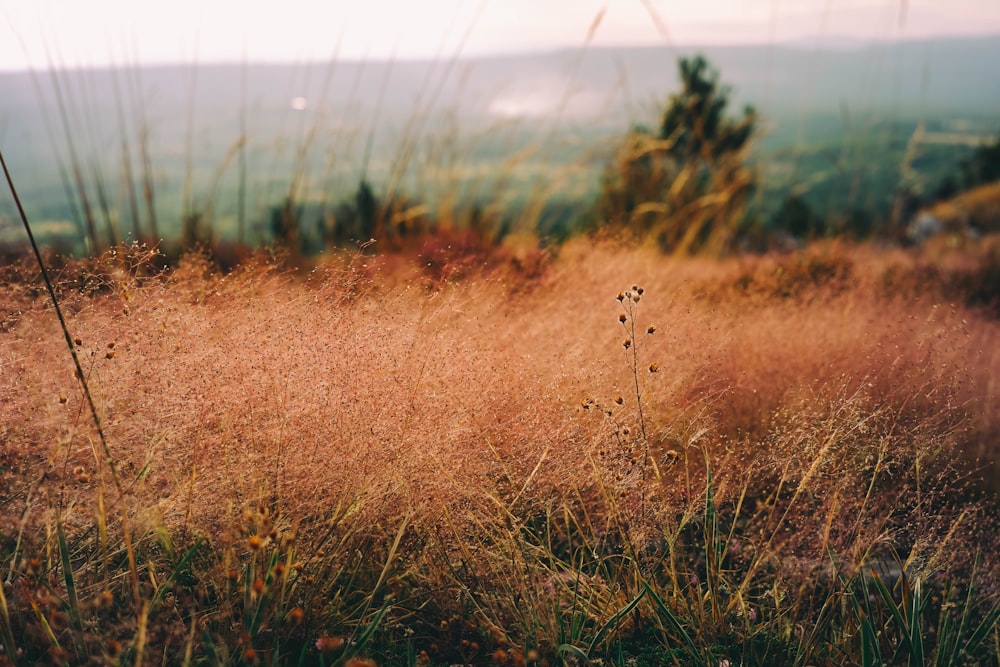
(913, 78)
(806, 96)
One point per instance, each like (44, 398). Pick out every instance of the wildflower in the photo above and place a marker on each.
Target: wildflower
(621, 297)
(110, 354)
(654, 367)
(104, 600)
(78, 342)
(63, 399)
(619, 400)
(250, 656)
(255, 542)
(627, 343)
(361, 662)
(652, 329)
(259, 586)
(329, 644)
(295, 615)
(623, 318)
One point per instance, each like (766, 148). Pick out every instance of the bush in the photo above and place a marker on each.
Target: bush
(685, 186)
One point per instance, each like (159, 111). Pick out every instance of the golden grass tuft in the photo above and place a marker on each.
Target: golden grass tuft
(314, 456)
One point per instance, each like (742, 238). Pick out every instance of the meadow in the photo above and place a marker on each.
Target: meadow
(575, 404)
(590, 454)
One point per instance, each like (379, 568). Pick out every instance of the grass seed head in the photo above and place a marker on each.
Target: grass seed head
(329, 644)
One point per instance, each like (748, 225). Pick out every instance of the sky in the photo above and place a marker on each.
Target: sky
(34, 33)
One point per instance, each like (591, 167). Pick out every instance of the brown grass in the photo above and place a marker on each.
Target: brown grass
(839, 412)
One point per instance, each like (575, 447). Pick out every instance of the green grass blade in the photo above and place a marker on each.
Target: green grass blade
(366, 634)
(897, 614)
(871, 654)
(211, 652)
(987, 625)
(69, 579)
(615, 619)
(575, 651)
(671, 619)
(6, 629)
(947, 648)
(161, 591)
(871, 651)
(46, 628)
(916, 637)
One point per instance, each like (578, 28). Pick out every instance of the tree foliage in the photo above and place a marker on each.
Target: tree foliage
(685, 185)
(984, 165)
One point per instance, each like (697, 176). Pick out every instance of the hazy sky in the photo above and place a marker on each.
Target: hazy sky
(86, 32)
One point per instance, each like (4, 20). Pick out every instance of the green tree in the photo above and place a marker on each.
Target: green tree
(686, 185)
(984, 165)
(796, 217)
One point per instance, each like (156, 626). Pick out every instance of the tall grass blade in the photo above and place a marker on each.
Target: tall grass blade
(73, 601)
(608, 626)
(916, 636)
(613, 622)
(46, 629)
(6, 629)
(362, 639)
(898, 612)
(671, 619)
(98, 425)
(574, 651)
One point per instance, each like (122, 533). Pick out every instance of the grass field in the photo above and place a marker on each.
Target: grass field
(595, 454)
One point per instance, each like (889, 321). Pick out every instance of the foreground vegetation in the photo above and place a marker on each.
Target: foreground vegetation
(451, 445)
(513, 459)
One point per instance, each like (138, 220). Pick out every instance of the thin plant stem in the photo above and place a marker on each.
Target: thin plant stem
(83, 383)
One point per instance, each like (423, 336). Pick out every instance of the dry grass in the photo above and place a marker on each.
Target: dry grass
(420, 447)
